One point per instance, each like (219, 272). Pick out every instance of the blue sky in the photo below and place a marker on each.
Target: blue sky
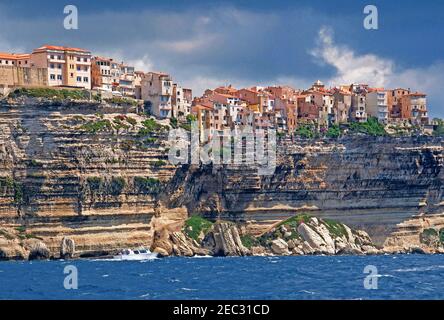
(209, 43)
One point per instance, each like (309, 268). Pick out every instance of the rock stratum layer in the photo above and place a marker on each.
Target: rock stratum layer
(80, 179)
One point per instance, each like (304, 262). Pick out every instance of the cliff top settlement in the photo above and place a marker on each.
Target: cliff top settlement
(280, 107)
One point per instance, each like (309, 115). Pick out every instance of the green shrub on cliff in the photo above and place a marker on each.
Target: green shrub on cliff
(372, 127)
(333, 132)
(51, 93)
(296, 220)
(249, 241)
(335, 228)
(195, 225)
(439, 130)
(430, 236)
(97, 126)
(94, 183)
(306, 131)
(146, 185)
(117, 185)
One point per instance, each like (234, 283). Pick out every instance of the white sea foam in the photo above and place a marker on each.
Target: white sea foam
(420, 269)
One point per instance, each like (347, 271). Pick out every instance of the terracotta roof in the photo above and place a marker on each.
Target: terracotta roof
(60, 48)
(14, 56)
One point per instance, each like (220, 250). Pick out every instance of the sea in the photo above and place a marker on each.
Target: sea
(239, 278)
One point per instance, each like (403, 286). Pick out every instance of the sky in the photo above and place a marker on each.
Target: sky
(205, 44)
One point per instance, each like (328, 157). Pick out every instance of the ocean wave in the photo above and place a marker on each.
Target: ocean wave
(420, 269)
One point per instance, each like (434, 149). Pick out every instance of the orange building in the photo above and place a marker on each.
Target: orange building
(414, 108)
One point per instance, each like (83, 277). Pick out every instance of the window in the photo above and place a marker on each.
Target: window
(85, 79)
(79, 79)
(78, 68)
(51, 56)
(59, 57)
(59, 66)
(78, 59)
(52, 66)
(85, 59)
(59, 77)
(85, 68)
(52, 76)
(72, 75)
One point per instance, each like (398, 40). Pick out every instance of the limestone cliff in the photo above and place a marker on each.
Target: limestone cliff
(97, 175)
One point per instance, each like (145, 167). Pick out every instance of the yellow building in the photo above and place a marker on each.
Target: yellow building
(66, 66)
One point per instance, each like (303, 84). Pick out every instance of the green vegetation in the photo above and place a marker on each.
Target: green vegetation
(333, 132)
(10, 185)
(439, 131)
(430, 237)
(131, 121)
(335, 228)
(249, 241)
(94, 183)
(21, 229)
(441, 235)
(52, 93)
(150, 140)
(295, 221)
(159, 163)
(122, 101)
(97, 126)
(191, 117)
(306, 131)
(117, 185)
(173, 122)
(150, 126)
(187, 124)
(196, 225)
(146, 185)
(372, 127)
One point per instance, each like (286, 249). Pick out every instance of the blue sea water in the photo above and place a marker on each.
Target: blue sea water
(301, 277)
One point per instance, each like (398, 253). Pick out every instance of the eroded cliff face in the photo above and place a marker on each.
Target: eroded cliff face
(84, 172)
(368, 183)
(77, 170)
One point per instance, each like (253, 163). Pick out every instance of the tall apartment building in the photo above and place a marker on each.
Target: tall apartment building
(376, 105)
(394, 102)
(126, 81)
(101, 74)
(357, 110)
(181, 101)
(66, 66)
(414, 108)
(157, 88)
(342, 105)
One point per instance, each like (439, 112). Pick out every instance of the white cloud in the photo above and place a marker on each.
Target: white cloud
(351, 68)
(378, 71)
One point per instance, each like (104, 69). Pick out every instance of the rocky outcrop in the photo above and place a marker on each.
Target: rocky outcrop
(224, 240)
(39, 251)
(299, 235)
(303, 234)
(67, 248)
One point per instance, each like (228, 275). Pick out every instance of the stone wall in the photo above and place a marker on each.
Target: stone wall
(19, 76)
